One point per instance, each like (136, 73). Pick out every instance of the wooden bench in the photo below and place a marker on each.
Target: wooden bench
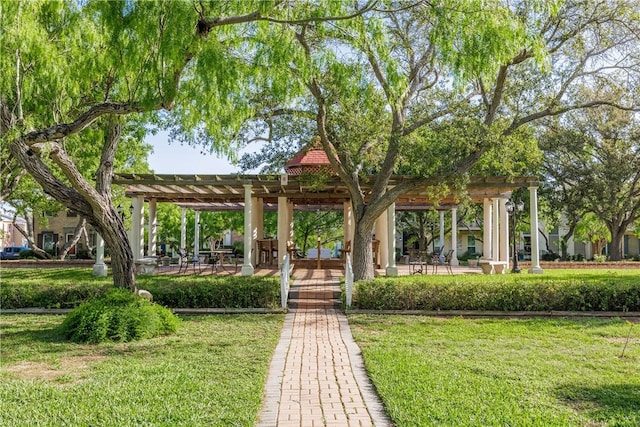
(490, 267)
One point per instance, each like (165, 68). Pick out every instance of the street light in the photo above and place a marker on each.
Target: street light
(514, 210)
(120, 212)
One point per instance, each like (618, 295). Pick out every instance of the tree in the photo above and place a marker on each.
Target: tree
(325, 224)
(594, 166)
(383, 82)
(108, 63)
(592, 229)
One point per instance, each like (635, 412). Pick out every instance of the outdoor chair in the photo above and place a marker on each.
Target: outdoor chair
(184, 261)
(446, 262)
(198, 261)
(417, 261)
(238, 258)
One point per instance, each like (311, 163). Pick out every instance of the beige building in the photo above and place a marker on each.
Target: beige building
(9, 235)
(53, 231)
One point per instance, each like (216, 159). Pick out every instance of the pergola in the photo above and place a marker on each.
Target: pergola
(254, 193)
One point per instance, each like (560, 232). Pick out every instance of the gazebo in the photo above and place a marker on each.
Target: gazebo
(294, 190)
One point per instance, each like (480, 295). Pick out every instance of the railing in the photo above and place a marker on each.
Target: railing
(285, 281)
(348, 279)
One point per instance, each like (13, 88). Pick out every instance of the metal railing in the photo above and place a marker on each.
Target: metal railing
(348, 279)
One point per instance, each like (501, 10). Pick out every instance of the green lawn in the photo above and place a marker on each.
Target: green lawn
(212, 372)
(459, 372)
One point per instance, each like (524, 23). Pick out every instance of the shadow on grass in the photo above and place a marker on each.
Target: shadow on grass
(615, 403)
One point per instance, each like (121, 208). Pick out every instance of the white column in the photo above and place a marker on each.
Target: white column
(348, 223)
(381, 235)
(504, 233)
(486, 228)
(533, 213)
(99, 268)
(257, 226)
(183, 229)
(392, 270)
(495, 232)
(290, 224)
(153, 229)
(283, 229)
(441, 244)
(454, 236)
(196, 235)
(247, 267)
(137, 227)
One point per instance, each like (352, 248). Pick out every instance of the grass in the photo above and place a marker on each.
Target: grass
(212, 372)
(459, 372)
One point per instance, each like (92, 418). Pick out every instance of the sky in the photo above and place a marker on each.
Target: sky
(182, 159)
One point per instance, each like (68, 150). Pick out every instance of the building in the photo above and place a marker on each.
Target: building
(9, 235)
(52, 231)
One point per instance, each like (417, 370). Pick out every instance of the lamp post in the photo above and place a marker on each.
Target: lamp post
(120, 212)
(514, 210)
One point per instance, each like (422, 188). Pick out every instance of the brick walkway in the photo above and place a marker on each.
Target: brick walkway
(317, 377)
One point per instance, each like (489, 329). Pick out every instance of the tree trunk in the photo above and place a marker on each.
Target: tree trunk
(615, 247)
(82, 198)
(77, 233)
(29, 236)
(362, 253)
(115, 237)
(565, 240)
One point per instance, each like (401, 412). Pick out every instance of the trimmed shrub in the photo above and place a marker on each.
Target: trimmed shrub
(499, 294)
(117, 316)
(69, 288)
(16, 295)
(216, 292)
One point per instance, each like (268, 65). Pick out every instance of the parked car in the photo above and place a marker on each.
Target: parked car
(12, 252)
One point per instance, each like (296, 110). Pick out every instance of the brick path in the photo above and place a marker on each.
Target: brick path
(317, 377)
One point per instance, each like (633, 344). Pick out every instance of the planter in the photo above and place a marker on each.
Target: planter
(472, 262)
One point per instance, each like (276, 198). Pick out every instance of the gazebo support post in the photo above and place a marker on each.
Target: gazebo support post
(247, 267)
(392, 270)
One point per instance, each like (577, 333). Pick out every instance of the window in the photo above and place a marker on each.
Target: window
(471, 244)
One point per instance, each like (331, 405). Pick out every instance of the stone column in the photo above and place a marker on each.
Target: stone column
(257, 224)
(153, 229)
(392, 270)
(183, 229)
(495, 231)
(381, 235)
(486, 228)
(504, 232)
(454, 237)
(533, 213)
(441, 245)
(348, 223)
(247, 267)
(99, 268)
(137, 227)
(196, 235)
(283, 229)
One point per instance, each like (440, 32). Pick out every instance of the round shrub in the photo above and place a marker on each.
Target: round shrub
(119, 315)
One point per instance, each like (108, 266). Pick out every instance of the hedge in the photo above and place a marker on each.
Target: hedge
(172, 292)
(420, 293)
